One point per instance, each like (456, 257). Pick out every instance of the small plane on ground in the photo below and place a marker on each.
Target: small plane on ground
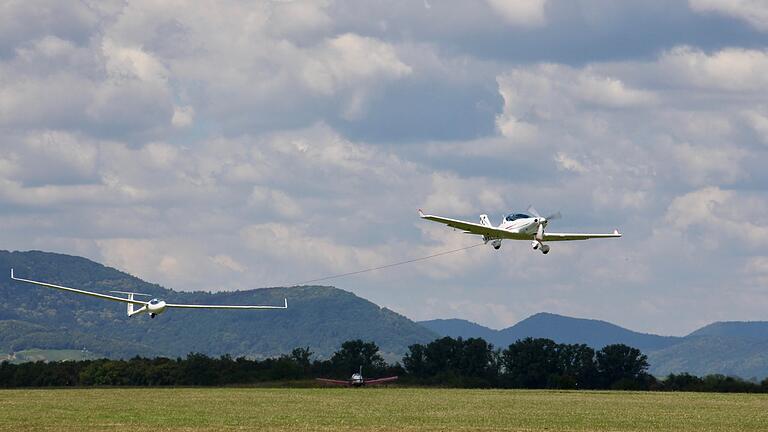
(517, 226)
(153, 307)
(357, 380)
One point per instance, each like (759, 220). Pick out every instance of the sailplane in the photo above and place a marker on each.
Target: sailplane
(152, 307)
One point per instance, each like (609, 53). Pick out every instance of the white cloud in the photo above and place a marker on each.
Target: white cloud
(211, 145)
(183, 116)
(720, 215)
(755, 12)
(736, 69)
(521, 13)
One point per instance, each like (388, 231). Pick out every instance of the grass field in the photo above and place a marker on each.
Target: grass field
(379, 409)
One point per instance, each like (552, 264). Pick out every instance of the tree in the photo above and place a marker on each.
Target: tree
(356, 353)
(621, 366)
(577, 366)
(477, 359)
(415, 360)
(531, 363)
(302, 357)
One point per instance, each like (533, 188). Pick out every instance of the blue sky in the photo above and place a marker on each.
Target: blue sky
(233, 145)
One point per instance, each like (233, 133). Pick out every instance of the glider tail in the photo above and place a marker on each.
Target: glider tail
(131, 310)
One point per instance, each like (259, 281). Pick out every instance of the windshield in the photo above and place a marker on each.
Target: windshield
(515, 216)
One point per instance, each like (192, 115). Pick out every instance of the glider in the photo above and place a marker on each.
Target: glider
(357, 380)
(152, 307)
(517, 226)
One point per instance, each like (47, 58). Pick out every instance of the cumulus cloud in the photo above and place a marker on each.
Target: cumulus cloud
(754, 12)
(211, 145)
(523, 13)
(729, 69)
(721, 212)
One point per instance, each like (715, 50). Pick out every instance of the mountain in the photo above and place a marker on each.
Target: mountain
(729, 348)
(757, 330)
(704, 355)
(462, 328)
(561, 329)
(318, 317)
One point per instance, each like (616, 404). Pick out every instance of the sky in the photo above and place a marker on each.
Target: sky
(225, 145)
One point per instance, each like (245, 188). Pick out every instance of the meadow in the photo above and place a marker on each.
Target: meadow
(379, 409)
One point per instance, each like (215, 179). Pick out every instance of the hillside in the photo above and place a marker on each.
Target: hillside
(729, 348)
(756, 330)
(703, 355)
(561, 329)
(462, 328)
(319, 317)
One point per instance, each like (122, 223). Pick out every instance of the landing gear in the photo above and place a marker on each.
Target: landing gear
(152, 315)
(496, 244)
(537, 245)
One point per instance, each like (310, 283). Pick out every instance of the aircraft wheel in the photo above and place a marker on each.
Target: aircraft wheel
(545, 249)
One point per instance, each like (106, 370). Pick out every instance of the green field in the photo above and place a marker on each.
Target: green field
(380, 409)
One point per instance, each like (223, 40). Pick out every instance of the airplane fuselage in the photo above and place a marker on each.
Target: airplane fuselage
(357, 380)
(531, 227)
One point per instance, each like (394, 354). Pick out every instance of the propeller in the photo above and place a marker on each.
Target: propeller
(533, 211)
(536, 214)
(542, 221)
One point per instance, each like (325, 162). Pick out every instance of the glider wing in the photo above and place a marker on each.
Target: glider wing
(79, 291)
(190, 306)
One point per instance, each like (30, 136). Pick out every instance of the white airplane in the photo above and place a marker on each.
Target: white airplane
(357, 380)
(153, 307)
(517, 226)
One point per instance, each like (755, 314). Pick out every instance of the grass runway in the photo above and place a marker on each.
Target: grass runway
(378, 409)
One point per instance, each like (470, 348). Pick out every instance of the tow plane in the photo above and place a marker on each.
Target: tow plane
(529, 226)
(152, 307)
(357, 380)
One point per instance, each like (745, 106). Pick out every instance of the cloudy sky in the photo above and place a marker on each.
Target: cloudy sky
(238, 144)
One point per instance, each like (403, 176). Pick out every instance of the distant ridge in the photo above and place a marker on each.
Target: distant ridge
(559, 328)
(757, 330)
(729, 348)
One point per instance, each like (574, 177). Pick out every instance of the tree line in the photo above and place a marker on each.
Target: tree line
(527, 363)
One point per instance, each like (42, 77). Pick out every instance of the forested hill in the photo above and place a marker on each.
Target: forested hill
(562, 329)
(729, 348)
(319, 317)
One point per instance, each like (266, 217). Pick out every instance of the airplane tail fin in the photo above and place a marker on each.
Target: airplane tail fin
(485, 221)
(131, 310)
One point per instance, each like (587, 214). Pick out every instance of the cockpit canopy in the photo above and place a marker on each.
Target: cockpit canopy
(154, 301)
(515, 216)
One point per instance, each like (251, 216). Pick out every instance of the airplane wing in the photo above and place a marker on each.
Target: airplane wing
(475, 228)
(333, 381)
(78, 291)
(380, 380)
(550, 236)
(189, 306)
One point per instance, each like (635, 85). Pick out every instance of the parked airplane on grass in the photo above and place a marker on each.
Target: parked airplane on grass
(152, 307)
(517, 226)
(357, 380)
